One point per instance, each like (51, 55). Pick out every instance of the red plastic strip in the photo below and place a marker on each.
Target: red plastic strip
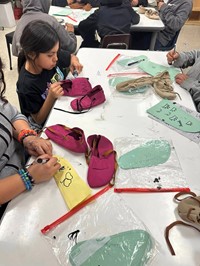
(72, 18)
(121, 190)
(112, 62)
(74, 210)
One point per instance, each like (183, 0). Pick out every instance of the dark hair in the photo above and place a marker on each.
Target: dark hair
(39, 37)
(2, 82)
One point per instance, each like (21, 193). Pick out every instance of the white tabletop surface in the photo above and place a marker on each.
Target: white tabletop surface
(21, 242)
(145, 23)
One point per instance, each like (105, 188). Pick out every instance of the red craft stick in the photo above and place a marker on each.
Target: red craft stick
(112, 62)
(72, 18)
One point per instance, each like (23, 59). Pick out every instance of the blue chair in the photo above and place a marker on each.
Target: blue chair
(170, 45)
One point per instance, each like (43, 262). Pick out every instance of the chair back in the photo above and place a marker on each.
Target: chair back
(116, 41)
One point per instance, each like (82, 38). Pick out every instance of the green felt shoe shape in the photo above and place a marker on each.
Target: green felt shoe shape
(127, 248)
(173, 115)
(149, 154)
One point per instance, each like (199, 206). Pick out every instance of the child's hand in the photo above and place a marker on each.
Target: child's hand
(172, 56)
(180, 78)
(69, 27)
(159, 4)
(134, 2)
(44, 171)
(87, 7)
(75, 64)
(55, 90)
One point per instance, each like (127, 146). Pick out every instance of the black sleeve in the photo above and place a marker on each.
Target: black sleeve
(61, 3)
(142, 3)
(94, 3)
(88, 26)
(64, 58)
(135, 16)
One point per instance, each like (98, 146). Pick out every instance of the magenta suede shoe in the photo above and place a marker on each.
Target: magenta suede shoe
(76, 87)
(93, 98)
(70, 138)
(101, 161)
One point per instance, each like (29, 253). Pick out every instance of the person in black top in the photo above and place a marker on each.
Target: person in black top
(39, 62)
(113, 17)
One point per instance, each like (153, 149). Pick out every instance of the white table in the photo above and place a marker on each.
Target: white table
(148, 25)
(145, 24)
(21, 242)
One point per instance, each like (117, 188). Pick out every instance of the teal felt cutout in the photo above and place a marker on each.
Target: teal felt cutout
(154, 69)
(173, 115)
(126, 248)
(149, 154)
(64, 12)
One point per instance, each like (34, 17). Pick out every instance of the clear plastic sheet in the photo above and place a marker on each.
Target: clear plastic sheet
(129, 64)
(167, 176)
(121, 71)
(95, 233)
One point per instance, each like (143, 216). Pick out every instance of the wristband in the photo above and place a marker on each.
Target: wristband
(25, 133)
(27, 179)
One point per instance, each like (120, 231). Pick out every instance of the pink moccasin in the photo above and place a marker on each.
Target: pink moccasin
(93, 98)
(70, 138)
(76, 87)
(102, 161)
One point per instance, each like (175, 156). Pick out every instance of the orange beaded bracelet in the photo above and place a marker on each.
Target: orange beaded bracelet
(25, 133)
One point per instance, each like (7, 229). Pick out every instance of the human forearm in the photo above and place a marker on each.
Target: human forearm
(44, 111)
(191, 84)
(19, 125)
(10, 187)
(187, 59)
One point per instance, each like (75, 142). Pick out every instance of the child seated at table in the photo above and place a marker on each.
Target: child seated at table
(38, 63)
(113, 17)
(191, 80)
(38, 10)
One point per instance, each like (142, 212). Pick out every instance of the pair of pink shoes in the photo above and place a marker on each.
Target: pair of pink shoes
(100, 156)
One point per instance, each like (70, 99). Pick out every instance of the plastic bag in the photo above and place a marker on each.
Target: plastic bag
(124, 68)
(91, 234)
(124, 63)
(114, 79)
(167, 176)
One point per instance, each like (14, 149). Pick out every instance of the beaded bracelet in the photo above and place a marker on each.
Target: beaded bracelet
(27, 179)
(25, 133)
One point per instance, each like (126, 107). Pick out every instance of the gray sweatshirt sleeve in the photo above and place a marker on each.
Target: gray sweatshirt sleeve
(68, 39)
(12, 112)
(192, 84)
(190, 59)
(175, 17)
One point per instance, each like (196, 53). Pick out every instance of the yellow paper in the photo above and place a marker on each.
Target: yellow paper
(73, 189)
